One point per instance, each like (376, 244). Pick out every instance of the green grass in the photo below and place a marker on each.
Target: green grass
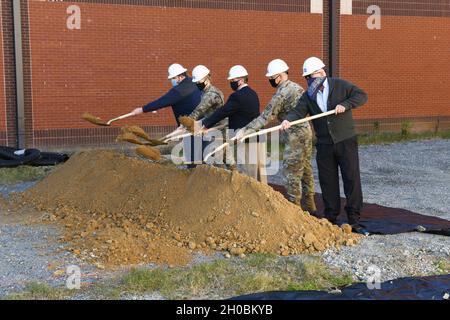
(443, 266)
(40, 291)
(377, 137)
(227, 278)
(22, 174)
(404, 135)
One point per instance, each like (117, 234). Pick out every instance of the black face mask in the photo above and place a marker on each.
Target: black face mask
(234, 85)
(200, 86)
(273, 82)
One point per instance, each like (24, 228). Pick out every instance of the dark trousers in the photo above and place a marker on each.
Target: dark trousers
(192, 150)
(342, 155)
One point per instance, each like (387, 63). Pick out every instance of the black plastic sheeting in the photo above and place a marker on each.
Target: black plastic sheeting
(31, 157)
(411, 288)
(385, 220)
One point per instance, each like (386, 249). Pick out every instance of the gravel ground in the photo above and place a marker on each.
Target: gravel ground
(413, 176)
(32, 254)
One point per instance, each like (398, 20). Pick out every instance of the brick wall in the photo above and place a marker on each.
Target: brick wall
(8, 89)
(404, 66)
(119, 59)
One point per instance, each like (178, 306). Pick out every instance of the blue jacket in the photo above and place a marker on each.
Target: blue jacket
(183, 98)
(241, 108)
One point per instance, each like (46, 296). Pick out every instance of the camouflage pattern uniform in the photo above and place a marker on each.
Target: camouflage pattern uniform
(212, 99)
(297, 168)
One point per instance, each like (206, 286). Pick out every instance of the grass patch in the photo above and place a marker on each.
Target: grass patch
(443, 266)
(377, 137)
(226, 278)
(23, 174)
(404, 135)
(40, 291)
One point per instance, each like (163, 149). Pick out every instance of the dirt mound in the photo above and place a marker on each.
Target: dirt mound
(120, 210)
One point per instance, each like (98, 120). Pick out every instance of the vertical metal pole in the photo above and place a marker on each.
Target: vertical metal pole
(19, 74)
(333, 34)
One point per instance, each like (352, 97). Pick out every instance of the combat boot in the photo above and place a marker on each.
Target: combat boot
(310, 203)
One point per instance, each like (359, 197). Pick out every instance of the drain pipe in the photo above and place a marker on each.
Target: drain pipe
(20, 101)
(333, 37)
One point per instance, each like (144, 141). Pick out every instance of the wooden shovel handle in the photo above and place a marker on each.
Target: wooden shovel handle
(120, 117)
(293, 123)
(219, 148)
(184, 135)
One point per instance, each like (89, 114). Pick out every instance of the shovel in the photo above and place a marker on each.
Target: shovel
(149, 153)
(219, 127)
(144, 149)
(173, 133)
(293, 123)
(138, 131)
(188, 122)
(97, 121)
(132, 138)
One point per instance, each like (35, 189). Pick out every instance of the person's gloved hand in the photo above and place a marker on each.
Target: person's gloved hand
(137, 111)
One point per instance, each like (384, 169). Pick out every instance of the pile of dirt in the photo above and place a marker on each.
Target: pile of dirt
(119, 210)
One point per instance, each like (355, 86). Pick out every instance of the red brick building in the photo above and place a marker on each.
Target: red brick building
(109, 56)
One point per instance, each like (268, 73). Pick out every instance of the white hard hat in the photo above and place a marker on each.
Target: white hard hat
(237, 72)
(276, 66)
(311, 65)
(175, 70)
(199, 72)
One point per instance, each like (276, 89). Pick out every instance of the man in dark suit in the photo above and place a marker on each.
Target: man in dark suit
(241, 108)
(337, 146)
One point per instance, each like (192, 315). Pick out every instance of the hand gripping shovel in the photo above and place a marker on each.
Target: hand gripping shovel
(293, 123)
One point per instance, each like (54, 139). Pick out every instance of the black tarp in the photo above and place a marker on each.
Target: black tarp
(30, 157)
(410, 288)
(385, 220)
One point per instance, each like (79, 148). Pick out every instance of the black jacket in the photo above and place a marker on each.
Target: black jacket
(334, 128)
(241, 108)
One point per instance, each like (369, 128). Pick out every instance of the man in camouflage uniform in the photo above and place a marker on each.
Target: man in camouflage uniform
(297, 169)
(211, 100)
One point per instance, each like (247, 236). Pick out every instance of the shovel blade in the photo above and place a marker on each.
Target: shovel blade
(129, 137)
(138, 131)
(149, 153)
(188, 122)
(93, 119)
(154, 142)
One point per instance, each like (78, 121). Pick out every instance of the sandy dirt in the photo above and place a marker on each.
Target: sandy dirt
(117, 210)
